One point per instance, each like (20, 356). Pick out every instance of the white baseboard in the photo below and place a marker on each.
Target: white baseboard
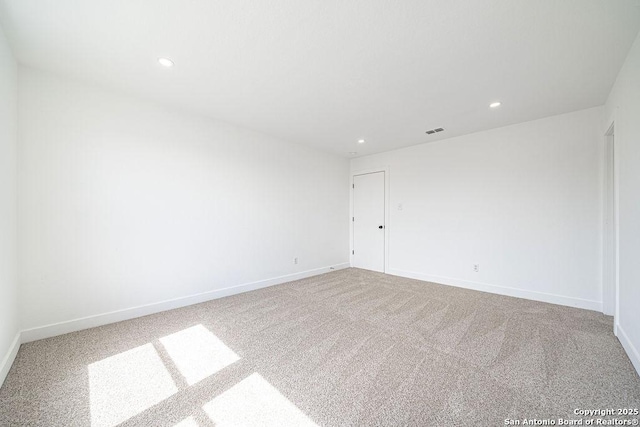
(502, 290)
(66, 327)
(9, 358)
(632, 351)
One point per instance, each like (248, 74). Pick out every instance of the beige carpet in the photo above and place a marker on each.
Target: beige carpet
(350, 347)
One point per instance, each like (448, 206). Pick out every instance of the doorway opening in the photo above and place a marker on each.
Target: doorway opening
(610, 234)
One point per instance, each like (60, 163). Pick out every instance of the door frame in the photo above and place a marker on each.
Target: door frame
(610, 233)
(387, 223)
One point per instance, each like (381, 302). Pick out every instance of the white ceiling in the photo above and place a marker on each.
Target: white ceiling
(326, 73)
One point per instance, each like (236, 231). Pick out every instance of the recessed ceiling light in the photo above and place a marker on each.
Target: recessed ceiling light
(165, 62)
(353, 153)
(495, 104)
(361, 141)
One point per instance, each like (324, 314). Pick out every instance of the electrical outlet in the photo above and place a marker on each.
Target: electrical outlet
(476, 267)
(295, 260)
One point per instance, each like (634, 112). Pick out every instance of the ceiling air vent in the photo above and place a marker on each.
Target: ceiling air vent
(432, 131)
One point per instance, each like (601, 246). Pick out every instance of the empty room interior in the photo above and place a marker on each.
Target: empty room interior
(319, 213)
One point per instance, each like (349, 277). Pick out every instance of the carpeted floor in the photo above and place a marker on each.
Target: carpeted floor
(351, 347)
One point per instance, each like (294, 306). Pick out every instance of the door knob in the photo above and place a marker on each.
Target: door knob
(381, 226)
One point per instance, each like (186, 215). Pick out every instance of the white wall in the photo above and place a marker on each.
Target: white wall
(8, 206)
(124, 203)
(623, 107)
(523, 201)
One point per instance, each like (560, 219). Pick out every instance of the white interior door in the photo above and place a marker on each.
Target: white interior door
(368, 221)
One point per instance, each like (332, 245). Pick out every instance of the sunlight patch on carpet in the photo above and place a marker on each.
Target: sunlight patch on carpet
(187, 422)
(254, 402)
(197, 353)
(126, 384)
